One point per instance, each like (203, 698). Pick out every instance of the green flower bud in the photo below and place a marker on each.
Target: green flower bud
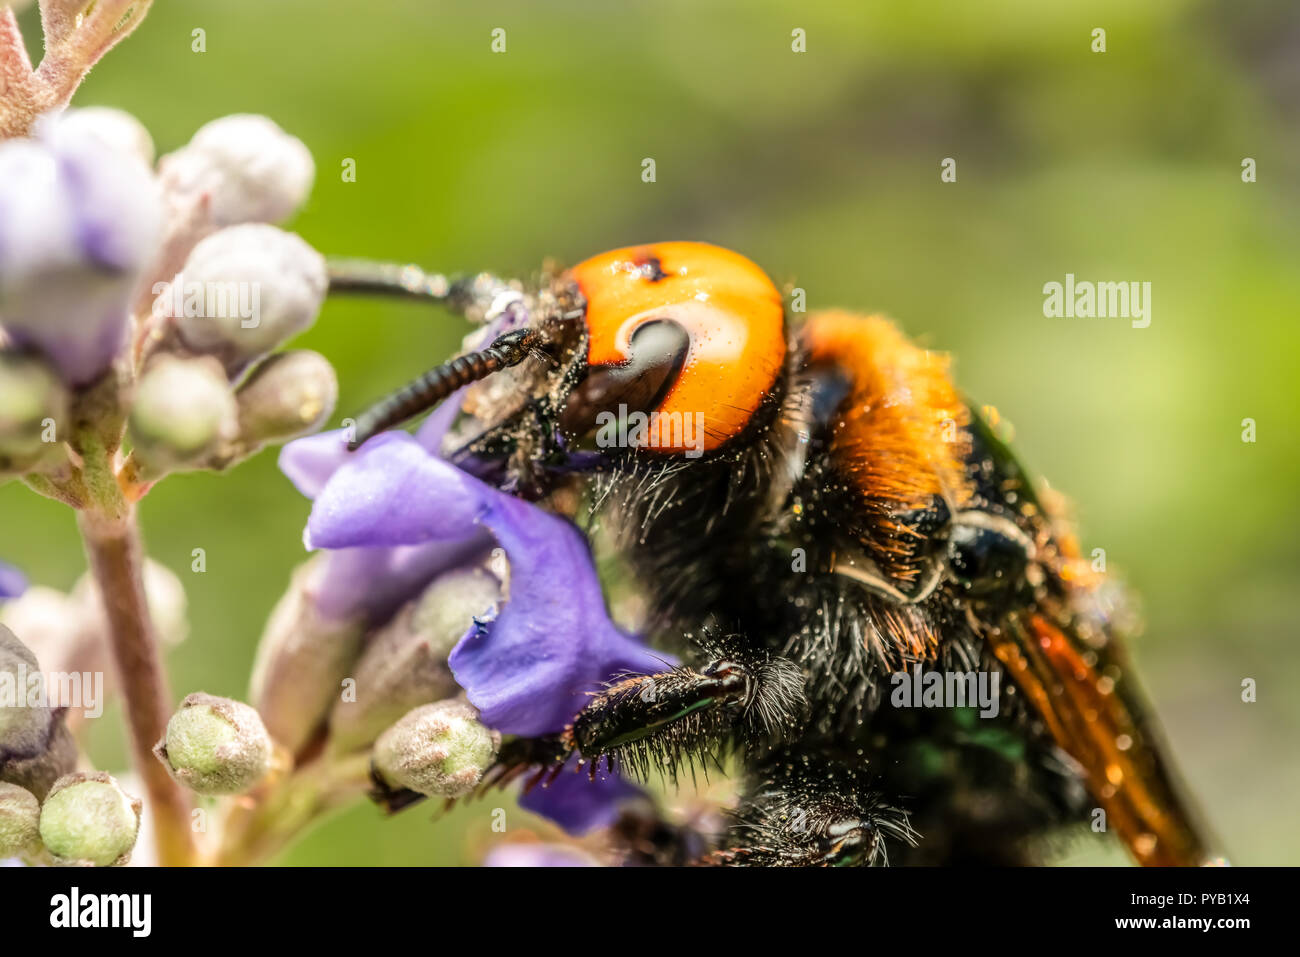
(183, 410)
(20, 815)
(88, 820)
(215, 745)
(33, 406)
(438, 750)
(286, 395)
(35, 746)
(446, 609)
(405, 662)
(258, 287)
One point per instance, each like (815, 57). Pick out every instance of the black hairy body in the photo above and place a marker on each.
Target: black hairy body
(714, 547)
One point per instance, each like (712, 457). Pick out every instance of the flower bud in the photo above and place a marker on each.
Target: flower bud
(302, 660)
(438, 750)
(251, 170)
(215, 745)
(183, 409)
(405, 662)
(286, 395)
(20, 815)
(35, 746)
(32, 407)
(253, 287)
(88, 820)
(79, 220)
(116, 129)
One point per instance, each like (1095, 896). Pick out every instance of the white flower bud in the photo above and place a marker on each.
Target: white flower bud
(438, 750)
(88, 820)
(79, 221)
(183, 409)
(251, 170)
(257, 285)
(117, 129)
(215, 745)
(20, 815)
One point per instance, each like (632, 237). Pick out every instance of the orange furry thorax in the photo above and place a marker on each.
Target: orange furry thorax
(899, 435)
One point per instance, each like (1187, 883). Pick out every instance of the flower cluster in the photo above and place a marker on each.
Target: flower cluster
(140, 307)
(409, 540)
(126, 298)
(142, 310)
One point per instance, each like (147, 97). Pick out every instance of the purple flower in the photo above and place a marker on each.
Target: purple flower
(372, 583)
(79, 220)
(528, 670)
(394, 514)
(578, 803)
(12, 582)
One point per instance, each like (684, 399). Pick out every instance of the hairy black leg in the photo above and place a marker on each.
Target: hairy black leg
(668, 719)
(813, 812)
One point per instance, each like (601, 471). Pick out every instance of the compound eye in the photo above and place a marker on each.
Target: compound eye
(986, 553)
(656, 354)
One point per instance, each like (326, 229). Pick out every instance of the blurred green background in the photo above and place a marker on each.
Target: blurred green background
(824, 167)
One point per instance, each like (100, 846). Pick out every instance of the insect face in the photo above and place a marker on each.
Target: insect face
(669, 350)
(683, 333)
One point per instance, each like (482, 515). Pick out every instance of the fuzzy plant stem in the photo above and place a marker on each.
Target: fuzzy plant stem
(116, 559)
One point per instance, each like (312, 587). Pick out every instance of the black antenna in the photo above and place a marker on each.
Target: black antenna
(408, 281)
(435, 385)
(478, 298)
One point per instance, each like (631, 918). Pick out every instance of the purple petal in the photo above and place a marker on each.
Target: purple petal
(12, 582)
(393, 492)
(576, 802)
(538, 855)
(397, 515)
(310, 461)
(529, 671)
(374, 582)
